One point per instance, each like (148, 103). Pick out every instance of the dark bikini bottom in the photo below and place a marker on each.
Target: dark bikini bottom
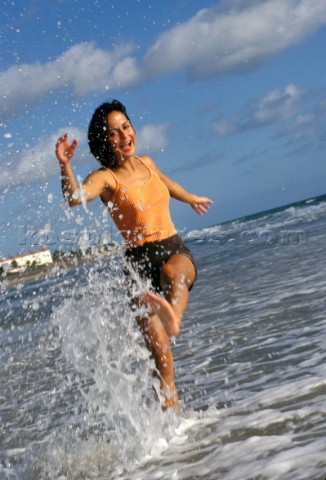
(148, 258)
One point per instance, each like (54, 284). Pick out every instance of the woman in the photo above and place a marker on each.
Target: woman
(137, 196)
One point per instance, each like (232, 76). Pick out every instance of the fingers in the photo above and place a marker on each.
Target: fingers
(200, 209)
(206, 201)
(64, 139)
(202, 205)
(204, 208)
(64, 150)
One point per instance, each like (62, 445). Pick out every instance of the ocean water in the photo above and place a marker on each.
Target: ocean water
(77, 394)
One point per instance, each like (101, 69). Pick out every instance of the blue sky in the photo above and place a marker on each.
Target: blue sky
(227, 96)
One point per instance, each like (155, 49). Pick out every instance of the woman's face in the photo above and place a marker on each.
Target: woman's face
(121, 135)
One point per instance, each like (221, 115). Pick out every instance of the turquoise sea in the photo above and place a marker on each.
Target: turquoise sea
(76, 384)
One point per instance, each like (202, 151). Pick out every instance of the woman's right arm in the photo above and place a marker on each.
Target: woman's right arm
(94, 184)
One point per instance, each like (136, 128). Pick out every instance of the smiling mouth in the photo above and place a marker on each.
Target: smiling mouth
(126, 146)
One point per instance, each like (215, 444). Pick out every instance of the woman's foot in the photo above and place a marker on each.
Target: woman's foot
(160, 306)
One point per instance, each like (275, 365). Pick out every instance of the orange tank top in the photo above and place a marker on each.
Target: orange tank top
(142, 213)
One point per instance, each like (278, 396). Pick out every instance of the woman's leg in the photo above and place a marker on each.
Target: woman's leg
(177, 276)
(158, 344)
(162, 308)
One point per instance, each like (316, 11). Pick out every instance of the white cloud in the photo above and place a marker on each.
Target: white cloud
(276, 106)
(126, 73)
(83, 68)
(36, 163)
(153, 138)
(296, 116)
(238, 35)
(224, 127)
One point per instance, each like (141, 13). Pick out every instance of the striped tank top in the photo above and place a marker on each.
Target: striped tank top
(142, 213)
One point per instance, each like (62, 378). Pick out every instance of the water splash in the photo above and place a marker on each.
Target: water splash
(112, 418)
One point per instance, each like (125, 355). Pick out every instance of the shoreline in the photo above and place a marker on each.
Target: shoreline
(38, 273)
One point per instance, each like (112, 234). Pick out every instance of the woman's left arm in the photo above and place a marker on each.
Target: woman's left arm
(199, 203)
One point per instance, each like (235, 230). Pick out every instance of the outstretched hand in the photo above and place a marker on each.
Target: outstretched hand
(65, 150)
(201, 204)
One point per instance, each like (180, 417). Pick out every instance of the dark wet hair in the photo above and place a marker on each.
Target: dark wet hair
(98, 133)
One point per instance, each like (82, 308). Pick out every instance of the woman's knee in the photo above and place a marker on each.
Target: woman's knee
(182, 273)
(168, 272)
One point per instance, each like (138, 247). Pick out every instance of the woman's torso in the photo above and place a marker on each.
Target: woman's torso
(138, 203)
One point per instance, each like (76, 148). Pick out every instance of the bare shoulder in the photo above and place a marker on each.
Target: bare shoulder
(149, 162)
(103, 178)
